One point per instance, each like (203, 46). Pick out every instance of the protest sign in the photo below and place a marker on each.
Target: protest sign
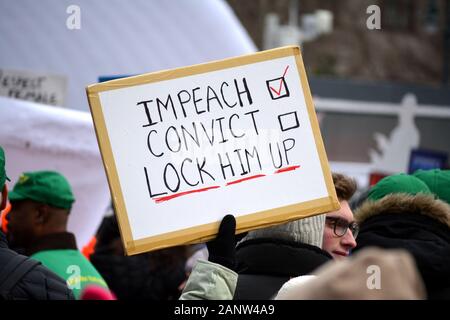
(182, 148)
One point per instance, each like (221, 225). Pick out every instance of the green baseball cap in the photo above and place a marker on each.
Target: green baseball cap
(398, 183)
(47, 187)
(438, 181)
(3, 176)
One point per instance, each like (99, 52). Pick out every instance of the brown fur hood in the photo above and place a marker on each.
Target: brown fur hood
(405, 203)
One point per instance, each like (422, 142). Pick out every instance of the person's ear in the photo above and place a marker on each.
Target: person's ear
(4, 198)
(42, 214)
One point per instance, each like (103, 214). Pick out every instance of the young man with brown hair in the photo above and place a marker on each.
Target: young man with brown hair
(266, 258)
(340, 228)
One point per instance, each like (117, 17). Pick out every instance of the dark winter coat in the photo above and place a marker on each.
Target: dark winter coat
(421, 225)
(131, 277)
(147, 276)
(265, 264)
(38, 284)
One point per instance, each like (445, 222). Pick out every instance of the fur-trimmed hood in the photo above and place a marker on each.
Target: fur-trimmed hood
(417, 223)
(404, 203)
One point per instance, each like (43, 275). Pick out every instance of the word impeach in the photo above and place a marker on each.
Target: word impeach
(196, 136)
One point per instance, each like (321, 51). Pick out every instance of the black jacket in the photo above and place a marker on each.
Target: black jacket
(131, 277)
(421, 226)
(38, 284)
(146, 276)
(265, 264)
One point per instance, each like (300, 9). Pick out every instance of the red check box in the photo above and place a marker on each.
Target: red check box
(278, 87)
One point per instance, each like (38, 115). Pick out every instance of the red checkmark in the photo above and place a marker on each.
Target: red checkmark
(281, 82)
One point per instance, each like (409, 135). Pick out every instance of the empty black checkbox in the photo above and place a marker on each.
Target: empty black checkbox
(288, 121)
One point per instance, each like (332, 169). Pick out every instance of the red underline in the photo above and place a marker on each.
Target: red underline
(287, 169)
(176, 195)
(245, 179)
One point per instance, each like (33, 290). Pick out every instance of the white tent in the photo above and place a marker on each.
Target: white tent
(115, 38)
(38, 137)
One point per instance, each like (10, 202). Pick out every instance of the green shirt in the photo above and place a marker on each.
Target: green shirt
(72, 266)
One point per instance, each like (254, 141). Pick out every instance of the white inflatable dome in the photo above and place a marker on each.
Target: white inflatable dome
(115, 38)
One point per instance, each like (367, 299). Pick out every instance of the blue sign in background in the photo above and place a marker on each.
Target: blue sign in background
(427, 159)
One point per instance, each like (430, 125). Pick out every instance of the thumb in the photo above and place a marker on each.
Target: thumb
(227, 226)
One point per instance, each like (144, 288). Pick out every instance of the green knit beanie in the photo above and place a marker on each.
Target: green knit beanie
(398, 183)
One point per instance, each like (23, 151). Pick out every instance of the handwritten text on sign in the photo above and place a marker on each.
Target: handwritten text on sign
(200, 136)
(235, 138)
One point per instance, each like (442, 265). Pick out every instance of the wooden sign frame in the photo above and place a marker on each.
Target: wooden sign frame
(206, 232)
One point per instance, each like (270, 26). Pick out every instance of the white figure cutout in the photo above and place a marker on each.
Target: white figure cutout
(395, 150)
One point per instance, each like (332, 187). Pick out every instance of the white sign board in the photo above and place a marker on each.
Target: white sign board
(183, 148)
(47, 89)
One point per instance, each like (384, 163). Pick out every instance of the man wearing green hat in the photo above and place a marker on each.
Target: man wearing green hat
(41, 203)
(402, 213)
(22, 278)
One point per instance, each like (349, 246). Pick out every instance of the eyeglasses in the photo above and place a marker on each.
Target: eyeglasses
(340, 226)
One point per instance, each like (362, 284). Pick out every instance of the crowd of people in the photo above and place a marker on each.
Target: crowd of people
(391, 242)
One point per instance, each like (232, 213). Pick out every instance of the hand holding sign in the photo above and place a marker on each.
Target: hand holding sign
(222, 249)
